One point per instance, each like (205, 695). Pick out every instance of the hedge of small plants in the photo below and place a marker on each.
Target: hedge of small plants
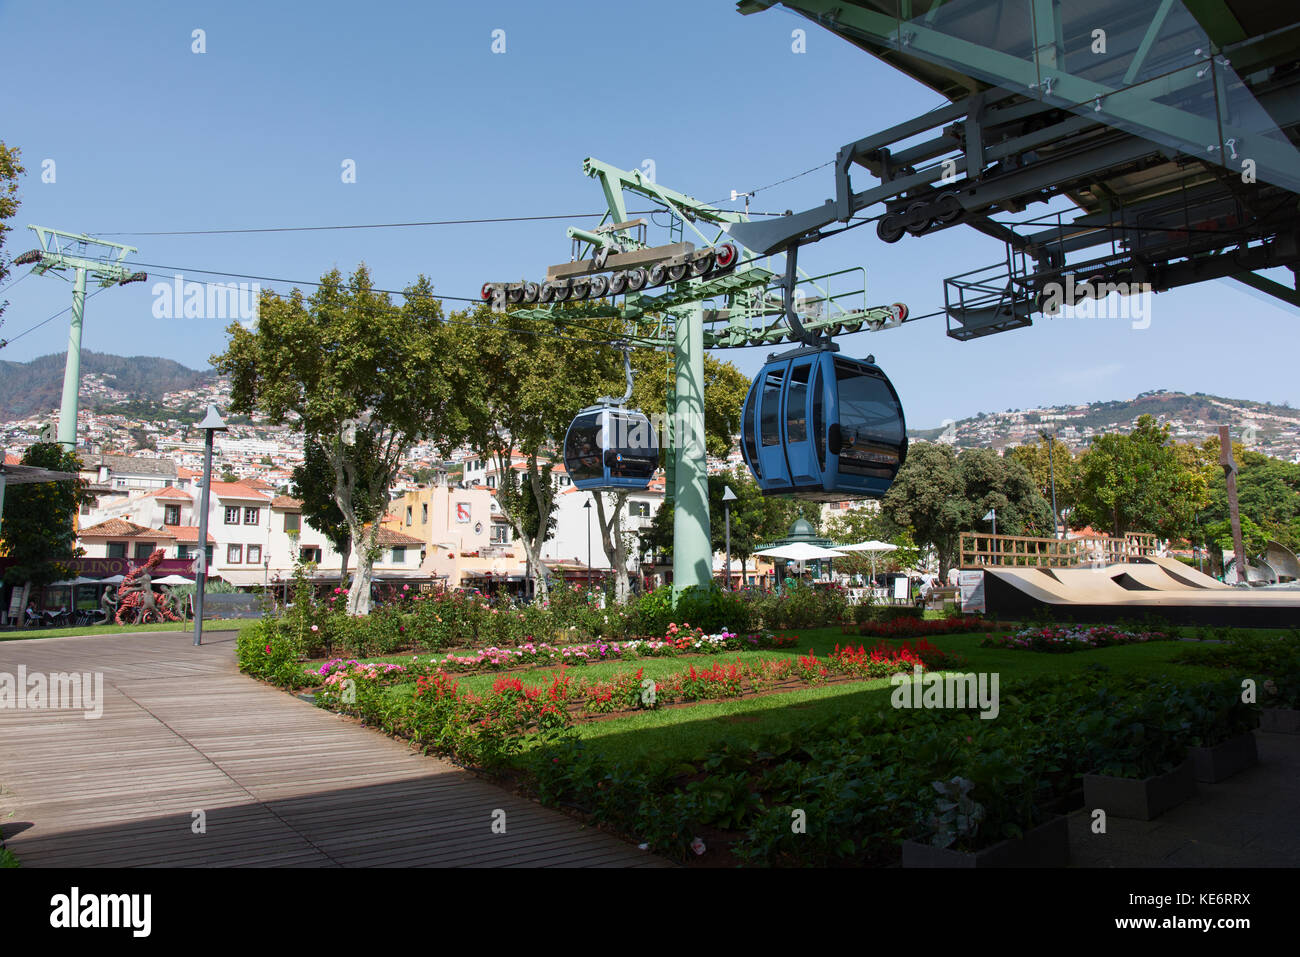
(862, 785)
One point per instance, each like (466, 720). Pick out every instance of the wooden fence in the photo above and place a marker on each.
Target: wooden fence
(978, 549)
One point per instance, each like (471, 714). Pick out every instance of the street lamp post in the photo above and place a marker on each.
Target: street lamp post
(211, 424)
(992, 515)
(728, 496)
(1051, 469)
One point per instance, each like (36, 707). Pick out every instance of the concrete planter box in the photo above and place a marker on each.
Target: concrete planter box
(1143, 799)
(1047, 845)
(1279, 720)
(1222, 761)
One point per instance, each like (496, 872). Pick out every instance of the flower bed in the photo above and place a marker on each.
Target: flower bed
(542, 654)
(487, 727)
(1062, 639)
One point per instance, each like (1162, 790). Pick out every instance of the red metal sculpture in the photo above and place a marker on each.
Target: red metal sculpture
(137, 601)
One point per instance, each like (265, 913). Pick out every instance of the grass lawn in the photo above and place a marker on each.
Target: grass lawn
(238, 624)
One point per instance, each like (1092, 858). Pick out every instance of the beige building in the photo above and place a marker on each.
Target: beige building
(467, 541)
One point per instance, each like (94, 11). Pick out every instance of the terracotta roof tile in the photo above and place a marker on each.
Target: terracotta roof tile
(286, 501)
(121, 528)
(189, 534)
(238, 490)
(172, 493)
(389, 537)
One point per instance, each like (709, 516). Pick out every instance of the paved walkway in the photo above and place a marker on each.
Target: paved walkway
(1249, 820)
(279, 781)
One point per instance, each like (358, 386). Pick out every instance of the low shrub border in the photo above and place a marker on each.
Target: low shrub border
(952, 781)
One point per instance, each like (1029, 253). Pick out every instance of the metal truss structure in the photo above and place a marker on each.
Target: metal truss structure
(1170, 124)
(101, 261)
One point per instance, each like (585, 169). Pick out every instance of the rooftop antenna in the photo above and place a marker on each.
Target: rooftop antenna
(103, 262)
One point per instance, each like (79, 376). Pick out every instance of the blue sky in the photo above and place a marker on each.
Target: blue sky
(147, 136)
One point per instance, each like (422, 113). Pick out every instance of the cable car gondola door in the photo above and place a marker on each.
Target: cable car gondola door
(801, 456)
(772, 464)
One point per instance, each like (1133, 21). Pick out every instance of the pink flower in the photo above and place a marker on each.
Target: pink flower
(268, 649)
(405, 587)
(315, 628)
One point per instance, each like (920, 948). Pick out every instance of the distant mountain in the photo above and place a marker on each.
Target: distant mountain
(1273, 429)
(29, 388)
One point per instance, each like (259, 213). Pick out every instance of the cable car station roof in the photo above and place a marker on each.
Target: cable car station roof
(1171, 124)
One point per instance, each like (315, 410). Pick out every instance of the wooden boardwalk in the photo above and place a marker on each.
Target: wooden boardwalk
(279, 782)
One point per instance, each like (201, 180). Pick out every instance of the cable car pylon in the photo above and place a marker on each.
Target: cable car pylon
(60, 251)
(702, 290)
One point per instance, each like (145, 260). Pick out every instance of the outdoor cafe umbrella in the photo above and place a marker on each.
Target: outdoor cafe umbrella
(872, 548)
(173, 580)
(79, 580)
(800, 552)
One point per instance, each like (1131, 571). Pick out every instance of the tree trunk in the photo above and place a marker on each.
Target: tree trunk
(611, 540)
(359, 593)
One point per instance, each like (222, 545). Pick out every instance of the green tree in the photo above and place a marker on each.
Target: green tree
(928, 497)
(39, 522)
(1060, 463)
(1139, 483)
(519, 382)
(313, 483)
(991, 481)
(342, 362)
(10, 170)
(1268, 493)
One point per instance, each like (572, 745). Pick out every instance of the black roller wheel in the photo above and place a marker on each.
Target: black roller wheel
(617, 283)
(658, 274)
(580, 289)
(947, 208)
(515, 293)
(890, 229)
(918, 218)
(563, 290)
(702, 265)
(546, 293)
(599, 285)
(637, 279)
(678, 273)
(531, 291)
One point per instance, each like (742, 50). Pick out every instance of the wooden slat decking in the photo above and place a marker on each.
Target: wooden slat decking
(282, 783)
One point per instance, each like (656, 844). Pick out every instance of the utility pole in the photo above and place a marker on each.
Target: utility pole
(1234, 516)
(102, 261)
